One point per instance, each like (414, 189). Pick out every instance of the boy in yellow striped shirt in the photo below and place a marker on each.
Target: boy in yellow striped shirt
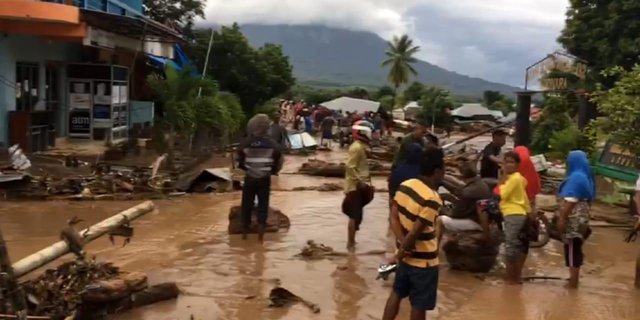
(413, 220)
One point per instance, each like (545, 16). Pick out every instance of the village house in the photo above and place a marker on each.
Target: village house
(76, 68)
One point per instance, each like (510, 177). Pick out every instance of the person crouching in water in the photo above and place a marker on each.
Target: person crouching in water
(413, 221)
(514, 205)
(260, 157)
(357, 185)
(577, 192)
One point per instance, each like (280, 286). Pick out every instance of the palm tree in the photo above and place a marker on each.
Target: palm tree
(400, 57)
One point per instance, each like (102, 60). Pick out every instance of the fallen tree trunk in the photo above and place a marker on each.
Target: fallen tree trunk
(61, 248)
(150, 295)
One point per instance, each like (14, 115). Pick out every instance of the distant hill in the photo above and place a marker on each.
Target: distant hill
(333, 57)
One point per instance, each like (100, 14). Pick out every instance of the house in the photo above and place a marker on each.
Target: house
(411, 110)
(474, 111)
(74, 68)
(352, 105)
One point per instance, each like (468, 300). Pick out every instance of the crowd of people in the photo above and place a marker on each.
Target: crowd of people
(501, 195)
(312, 118)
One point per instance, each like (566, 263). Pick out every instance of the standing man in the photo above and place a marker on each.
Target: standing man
(417, 136)
(413, 221)
(326, 128)
(260, 157)
(277, 131)
(357, 185)
(490, 163)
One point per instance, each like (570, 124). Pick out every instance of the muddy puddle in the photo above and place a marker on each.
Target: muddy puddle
(223, 277)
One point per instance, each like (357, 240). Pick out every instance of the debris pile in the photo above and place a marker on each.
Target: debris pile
(281, 297)
(325, 187)
(90, 290)
(276, 221)
(467, 251)
(314, 167)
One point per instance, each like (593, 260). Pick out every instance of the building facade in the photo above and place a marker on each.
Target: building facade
(74, 68)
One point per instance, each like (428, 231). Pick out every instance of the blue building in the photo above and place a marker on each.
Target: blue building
(74, 68)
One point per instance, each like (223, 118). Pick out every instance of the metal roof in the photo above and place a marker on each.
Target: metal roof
(347, 104)
(133, 27)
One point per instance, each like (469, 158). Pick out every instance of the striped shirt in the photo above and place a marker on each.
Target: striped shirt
(260, 157)
(416, 200)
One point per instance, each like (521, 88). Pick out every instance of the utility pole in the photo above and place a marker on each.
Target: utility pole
(9, 281)
(206, 62)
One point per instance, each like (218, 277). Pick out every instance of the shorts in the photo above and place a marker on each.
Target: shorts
(573, 256)
(354, 203)
(514, 242)
(419, 284)
(460, 225)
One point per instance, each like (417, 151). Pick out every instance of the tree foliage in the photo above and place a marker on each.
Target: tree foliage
(386, 102)
(554, 118)
(414, 91)
(383, 92)
(604, 33)
(253, 75)
(400, 59)
(620, 108)
(490, 97)
(176, 13)
(192, 104)
(436, 106)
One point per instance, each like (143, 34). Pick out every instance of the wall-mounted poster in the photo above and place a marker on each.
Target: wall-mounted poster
(102, 92)
(115, 94)
(102, 112)
(80, 122)
(124, 94)
(79, 97)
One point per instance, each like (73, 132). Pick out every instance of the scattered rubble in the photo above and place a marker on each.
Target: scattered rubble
(314, 251)
(89, 290)
(281, 297)
(314, 167)
(467, 251)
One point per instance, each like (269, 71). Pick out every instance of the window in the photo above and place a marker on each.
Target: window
(52, 87)
(27, 82)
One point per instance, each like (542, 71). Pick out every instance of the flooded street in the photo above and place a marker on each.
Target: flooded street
(224, 277)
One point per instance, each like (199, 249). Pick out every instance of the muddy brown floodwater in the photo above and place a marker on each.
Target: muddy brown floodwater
(223, 277)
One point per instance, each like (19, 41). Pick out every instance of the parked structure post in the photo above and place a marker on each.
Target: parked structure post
(523, 115)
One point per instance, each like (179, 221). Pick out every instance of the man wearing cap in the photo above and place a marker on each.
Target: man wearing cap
(260, 157)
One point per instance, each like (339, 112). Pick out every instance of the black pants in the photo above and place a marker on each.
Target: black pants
(255, 188)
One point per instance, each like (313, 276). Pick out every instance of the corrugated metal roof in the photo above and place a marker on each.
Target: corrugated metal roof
(470, 110)
(347, 104)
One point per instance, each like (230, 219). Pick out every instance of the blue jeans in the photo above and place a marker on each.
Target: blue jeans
(260, 188)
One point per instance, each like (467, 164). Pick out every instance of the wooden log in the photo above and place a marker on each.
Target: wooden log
(61, 248)
(155, 293)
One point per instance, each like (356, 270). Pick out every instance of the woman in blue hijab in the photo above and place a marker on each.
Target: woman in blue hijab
(409, 169)
(578, 190)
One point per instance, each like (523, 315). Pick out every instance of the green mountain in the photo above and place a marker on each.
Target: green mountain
(331, 57)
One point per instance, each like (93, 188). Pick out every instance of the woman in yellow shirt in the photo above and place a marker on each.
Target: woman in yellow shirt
(514, 205)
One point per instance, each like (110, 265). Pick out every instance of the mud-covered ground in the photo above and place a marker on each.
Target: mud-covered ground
(224, 277)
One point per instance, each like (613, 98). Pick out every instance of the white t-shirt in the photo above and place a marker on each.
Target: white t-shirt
(638, 184)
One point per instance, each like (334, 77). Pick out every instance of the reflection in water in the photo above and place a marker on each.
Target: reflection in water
(186, 242)
(349, 290)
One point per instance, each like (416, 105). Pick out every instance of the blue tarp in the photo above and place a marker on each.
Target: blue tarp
(179, 61)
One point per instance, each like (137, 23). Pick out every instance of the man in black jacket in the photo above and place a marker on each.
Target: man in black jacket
(260, 157)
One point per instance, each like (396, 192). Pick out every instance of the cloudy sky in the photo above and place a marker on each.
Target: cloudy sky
(491, 39)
